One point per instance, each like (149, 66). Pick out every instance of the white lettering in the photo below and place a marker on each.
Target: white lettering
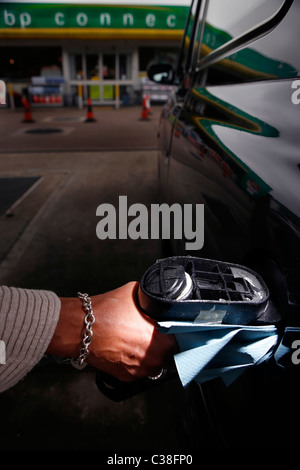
(123, 217)
(2, 353)
(296, 354)
(59, 19)
(150, 20)
(171, 21)
(166, 221)
(25, 19)
(82, 19)
(189, 234)
(140, 222)
(9, 18)
(106, 228)
(164, 211)
(128, 18)
(105, 19)
(295, 95)
(118, 460)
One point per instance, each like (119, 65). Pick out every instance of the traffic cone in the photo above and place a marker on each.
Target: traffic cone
(148, 105)
(145, 109)
(89, 114)
(27, 111)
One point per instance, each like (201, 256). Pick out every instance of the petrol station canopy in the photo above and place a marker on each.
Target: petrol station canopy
(92, 19)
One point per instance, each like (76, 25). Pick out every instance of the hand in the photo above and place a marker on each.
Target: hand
(125, 343)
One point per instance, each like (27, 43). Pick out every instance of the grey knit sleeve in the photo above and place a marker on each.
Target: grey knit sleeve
(28, 319)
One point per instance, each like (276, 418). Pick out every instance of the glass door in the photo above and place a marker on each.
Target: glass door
(105, 77)
(93, 76)
(109, 76)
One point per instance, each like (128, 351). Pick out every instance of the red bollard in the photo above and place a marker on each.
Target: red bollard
(145, 109)
(27, 110)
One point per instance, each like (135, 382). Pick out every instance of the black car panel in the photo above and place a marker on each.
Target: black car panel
(230, 139)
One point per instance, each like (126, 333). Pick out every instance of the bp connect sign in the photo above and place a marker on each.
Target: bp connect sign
(104, 15)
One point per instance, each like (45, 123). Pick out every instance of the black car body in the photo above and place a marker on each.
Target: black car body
(230, 139)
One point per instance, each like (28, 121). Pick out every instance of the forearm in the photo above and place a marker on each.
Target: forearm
(125, 342)
(28, 319)
(67, 338)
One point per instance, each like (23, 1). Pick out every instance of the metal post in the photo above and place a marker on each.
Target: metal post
(80, 101)
(11, 95)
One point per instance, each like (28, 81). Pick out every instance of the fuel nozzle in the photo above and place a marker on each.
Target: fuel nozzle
(187, 288)
(199, 292)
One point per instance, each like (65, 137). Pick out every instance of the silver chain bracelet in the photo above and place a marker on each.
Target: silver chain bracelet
(79, 362)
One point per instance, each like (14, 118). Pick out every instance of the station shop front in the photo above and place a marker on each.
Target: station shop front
(63, 53)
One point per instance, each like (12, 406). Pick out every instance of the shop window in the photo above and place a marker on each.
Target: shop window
(92, 66)
(108, 92)
(124, 66)
(76, 66)
(109, 67)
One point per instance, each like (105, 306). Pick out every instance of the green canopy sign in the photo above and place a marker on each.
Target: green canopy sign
(32, 16)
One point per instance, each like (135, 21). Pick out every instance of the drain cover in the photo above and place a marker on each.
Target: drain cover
(44, 131)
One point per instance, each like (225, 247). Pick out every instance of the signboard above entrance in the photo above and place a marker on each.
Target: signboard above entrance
(104, 19)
